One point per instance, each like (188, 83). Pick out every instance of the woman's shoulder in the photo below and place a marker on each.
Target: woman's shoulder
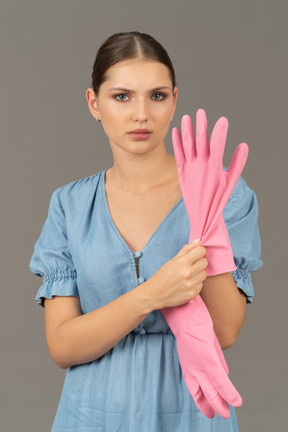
(242, 201)
(79, 189)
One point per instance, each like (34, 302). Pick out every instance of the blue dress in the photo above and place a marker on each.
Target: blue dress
(137, 385)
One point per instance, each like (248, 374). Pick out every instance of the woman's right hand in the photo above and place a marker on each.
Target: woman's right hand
(180, 279)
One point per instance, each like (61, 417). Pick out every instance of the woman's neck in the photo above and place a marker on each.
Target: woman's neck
(142, 175)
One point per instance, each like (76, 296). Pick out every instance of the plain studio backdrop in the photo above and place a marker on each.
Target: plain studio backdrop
(230, 58)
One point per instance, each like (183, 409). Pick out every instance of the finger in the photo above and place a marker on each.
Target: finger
(194, 254)
(202, 403)
(226, 389)
(218, 138)
(236, 166)
(218, 403)
(220, 354)
(197, 290)
(220, 406)
(194, 243)
(188, 137)
(188, 247)
(202, 136)
(198, 396)
(197, 269)
(230, 394)
(178, 148)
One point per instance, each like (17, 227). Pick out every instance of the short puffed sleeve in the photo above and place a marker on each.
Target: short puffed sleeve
(241, 219)
(51, 258)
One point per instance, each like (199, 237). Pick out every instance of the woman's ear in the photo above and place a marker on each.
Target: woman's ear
(175, 96)
(92, 103)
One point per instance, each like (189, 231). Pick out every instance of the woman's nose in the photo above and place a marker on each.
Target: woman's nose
(140, 111)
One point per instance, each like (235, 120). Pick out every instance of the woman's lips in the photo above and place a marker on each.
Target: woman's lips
(140, 136)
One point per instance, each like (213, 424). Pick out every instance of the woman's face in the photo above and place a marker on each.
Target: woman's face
(137, 95)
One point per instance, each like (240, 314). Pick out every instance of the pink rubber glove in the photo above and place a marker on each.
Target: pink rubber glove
(199, 174)
(203, 367)
(206, 187)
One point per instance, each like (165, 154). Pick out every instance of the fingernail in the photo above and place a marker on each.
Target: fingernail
(195, 241)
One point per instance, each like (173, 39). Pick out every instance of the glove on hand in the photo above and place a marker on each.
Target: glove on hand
(206, 189)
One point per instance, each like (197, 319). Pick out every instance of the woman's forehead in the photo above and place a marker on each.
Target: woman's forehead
(133, 71)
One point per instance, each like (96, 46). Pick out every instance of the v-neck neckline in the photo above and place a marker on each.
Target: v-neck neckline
(115, 227)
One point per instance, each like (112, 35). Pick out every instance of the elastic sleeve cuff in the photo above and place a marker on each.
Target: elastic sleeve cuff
(61, 283)
(243, 281)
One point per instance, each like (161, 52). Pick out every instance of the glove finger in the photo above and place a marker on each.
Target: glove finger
(220, 354)
(236, 166)
(218, 138)
(202, 403)
(218, 403)
(202, 136)
(188, 137)
(198, 396)
(220, 406)
(226, 389)
(178, 149)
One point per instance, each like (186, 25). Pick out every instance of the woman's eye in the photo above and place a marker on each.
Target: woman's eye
(119, 96)
(156, 96)
(162, 96)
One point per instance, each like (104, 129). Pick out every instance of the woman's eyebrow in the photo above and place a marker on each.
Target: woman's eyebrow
(132, 91)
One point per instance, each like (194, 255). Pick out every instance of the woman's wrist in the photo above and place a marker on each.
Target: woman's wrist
(146, 298)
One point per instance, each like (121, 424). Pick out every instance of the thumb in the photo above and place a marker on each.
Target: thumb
(188, 247)
(236, 166)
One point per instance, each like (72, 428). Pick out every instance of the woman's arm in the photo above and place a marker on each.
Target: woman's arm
(227, 306)
(76, 338)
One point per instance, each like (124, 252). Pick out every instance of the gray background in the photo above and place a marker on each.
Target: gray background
(230, 58)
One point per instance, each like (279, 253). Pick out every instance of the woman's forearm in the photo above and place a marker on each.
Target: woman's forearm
(86, 337)
(227, 307)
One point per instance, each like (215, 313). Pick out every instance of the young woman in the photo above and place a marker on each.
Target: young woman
(114, 251)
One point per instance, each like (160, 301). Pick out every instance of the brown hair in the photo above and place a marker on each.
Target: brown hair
(128, 45)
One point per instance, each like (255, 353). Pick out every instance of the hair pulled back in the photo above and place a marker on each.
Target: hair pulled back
(128, 45)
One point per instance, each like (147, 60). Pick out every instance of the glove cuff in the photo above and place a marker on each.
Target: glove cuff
(219, 252)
